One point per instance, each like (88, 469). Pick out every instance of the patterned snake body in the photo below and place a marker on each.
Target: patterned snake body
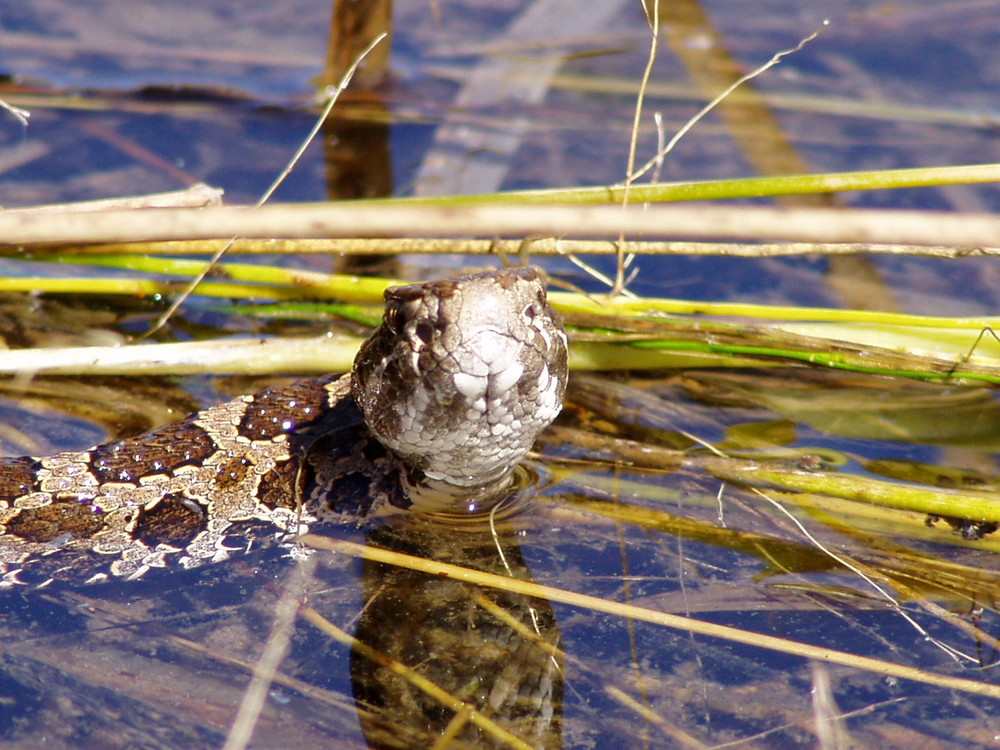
(445, 398)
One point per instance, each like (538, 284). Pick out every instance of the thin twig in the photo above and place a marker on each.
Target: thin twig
(21, 115)
(270, 658)
(883, 592)
(333, 95)
(653, 16)
(703, 112)
(198, 195)
(624, 259)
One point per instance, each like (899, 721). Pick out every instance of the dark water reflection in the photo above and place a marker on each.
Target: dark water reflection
(499, 652)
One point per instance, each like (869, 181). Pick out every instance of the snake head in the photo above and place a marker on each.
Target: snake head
(462, 376)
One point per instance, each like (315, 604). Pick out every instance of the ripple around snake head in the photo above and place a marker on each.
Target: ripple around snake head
(463, 375)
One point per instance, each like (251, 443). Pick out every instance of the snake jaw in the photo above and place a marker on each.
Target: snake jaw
(462, 376)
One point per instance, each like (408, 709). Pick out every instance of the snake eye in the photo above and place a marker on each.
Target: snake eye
(393, 320)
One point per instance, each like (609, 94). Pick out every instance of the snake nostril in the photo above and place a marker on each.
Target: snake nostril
(425, 332)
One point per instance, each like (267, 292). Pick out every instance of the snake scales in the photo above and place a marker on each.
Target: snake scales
(444, 399)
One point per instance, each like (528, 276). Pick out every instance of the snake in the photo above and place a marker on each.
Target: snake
(443, 401)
